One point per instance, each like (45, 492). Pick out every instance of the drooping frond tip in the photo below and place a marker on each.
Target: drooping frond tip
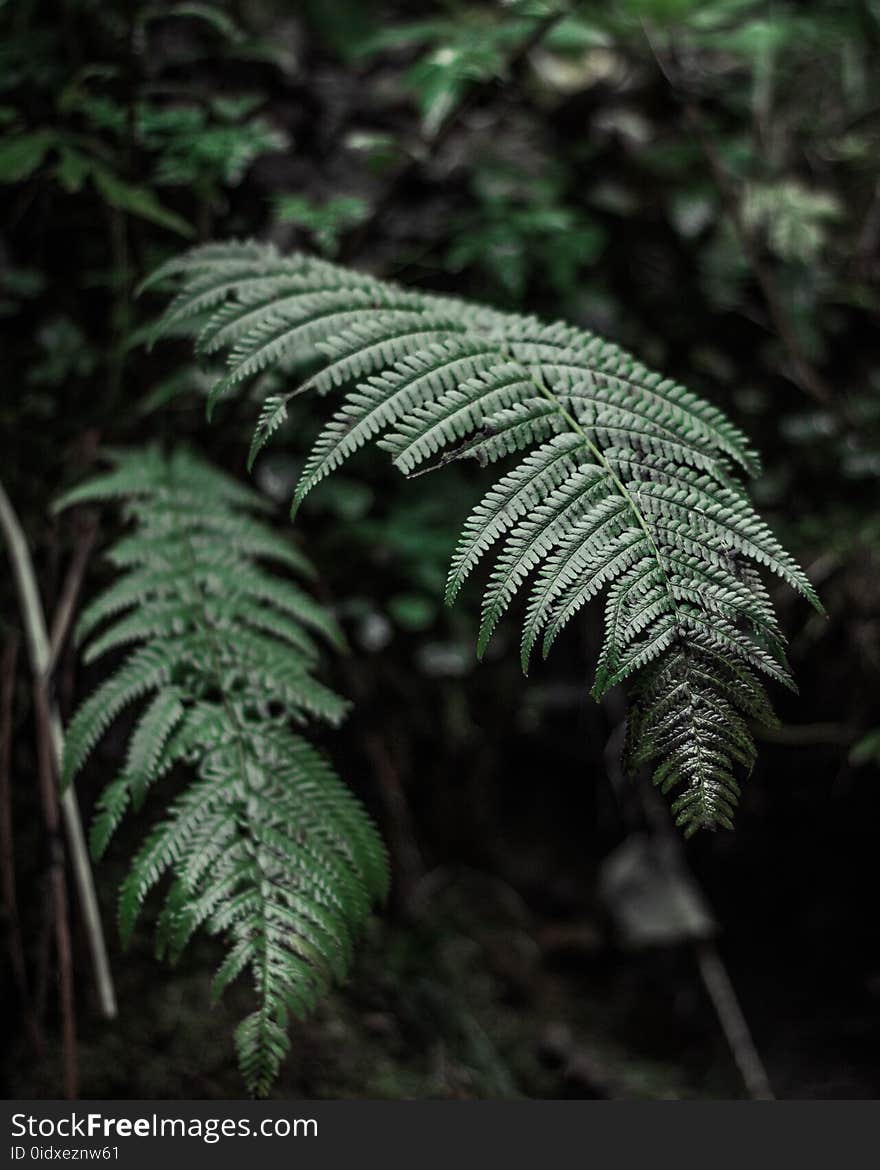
(265, 846)
(624, 482)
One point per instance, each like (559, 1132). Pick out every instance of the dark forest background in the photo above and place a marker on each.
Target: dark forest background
(697, 181)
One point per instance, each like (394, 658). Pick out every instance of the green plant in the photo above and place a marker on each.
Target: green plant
(204, 149)
(326, 222)
(520, 226)
(72, 161)
(265, 844)
(474, 44)
(628, 486)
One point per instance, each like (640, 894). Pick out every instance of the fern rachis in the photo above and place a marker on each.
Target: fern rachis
(266, 846)
(629, 483)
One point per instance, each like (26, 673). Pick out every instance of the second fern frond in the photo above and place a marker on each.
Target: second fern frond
(266, 845)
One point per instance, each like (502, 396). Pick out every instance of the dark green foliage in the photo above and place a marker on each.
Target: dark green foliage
(739, 248)
(629, 483)
(521, 226)
(265, 845)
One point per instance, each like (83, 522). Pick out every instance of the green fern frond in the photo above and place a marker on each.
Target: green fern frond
(266, 846)
(626, 483)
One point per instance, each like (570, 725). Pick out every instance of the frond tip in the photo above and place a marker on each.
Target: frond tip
(266, 846)
(625, 483)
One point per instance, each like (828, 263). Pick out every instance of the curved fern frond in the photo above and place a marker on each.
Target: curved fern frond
(266, 846)
(625, 482)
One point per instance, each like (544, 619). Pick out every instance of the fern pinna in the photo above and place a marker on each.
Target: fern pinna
(266, 845)
(625, 482)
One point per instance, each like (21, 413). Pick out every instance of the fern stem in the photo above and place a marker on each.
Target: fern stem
(210, 640)
(232, 716)
(41, 658)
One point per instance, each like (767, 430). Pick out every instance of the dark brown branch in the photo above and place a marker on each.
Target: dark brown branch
(58, 879)
(409, 865)
(66, 608)
(7, 846)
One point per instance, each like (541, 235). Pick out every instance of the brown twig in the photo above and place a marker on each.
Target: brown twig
(7, 849)
(409, 864)
(809, 734)
(43, 964)
(865, 253)
(66, 608)
(58, 880)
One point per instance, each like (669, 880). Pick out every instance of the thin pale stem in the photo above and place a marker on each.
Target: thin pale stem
(40, 659)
